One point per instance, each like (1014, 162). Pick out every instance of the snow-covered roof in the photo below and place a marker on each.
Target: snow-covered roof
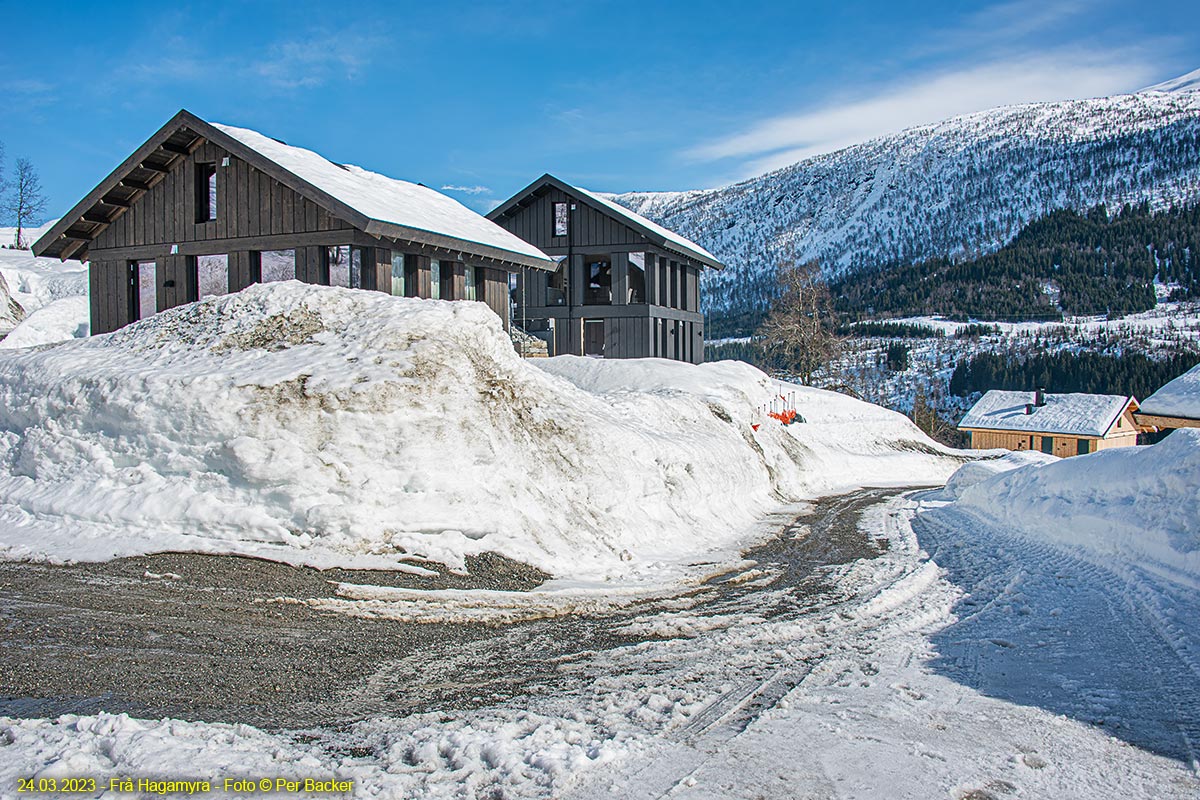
(669, 235)
(1179, 398)
(373, 203)
(651, 230)
(385, 199)
(1065, 414)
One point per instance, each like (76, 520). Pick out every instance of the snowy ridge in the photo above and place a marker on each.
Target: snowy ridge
(961, 186)
(327, 426)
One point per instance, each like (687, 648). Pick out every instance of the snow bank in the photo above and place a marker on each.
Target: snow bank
(978, 471)
(1134, 504)
(35, 282)
(66, 318)
(328, 426)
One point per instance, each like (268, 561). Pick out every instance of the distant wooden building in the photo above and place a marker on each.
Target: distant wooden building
(1175, 405)
(203, 209)
(1059, 424)
(625, 286)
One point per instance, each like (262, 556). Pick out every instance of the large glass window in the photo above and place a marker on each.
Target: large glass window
(398, 287)
(435, 279)
(637, 278)
(345, 266)
(469, 292)
(147, 288)
(556, 284)
(561, 219)
(277, 265)
(206, 192)
(599, 281)
(212, 275)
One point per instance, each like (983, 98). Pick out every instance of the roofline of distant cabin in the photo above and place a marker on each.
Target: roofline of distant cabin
(657, 238)
(184, 119)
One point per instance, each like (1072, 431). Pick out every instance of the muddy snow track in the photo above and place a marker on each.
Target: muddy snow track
(189, 636)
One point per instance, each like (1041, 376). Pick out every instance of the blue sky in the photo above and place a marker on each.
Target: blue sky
(614, 96)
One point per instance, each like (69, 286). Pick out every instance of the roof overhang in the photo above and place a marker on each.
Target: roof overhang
(1165, 421)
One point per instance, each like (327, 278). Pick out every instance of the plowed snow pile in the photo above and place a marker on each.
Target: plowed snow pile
(330, 426)
(1137, 505)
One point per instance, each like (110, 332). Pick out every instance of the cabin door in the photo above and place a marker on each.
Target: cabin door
(593, 337)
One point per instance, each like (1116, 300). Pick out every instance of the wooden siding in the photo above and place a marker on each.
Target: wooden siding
(249, 204)
(535, 224)
(1064, 446)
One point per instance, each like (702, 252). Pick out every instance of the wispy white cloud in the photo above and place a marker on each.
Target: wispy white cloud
(310, 62)
(450, 187)
(930, 97)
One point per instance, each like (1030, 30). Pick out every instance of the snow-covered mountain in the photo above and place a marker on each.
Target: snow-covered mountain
(957, 187)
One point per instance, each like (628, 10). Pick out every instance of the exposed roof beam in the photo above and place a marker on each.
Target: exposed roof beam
(73, 248)
(155, 168)
(175, 149)
(96, 217)
(134, 184)
(116, 203)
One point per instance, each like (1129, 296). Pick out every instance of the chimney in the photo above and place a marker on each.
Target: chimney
(1039, 399)
(1028, 409)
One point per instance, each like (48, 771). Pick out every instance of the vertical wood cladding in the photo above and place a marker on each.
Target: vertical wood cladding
(249, 203)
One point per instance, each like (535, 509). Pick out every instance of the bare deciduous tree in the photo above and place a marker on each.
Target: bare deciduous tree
(25, 202)
(798, 334)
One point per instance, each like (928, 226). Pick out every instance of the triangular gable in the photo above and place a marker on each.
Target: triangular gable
(663, 237)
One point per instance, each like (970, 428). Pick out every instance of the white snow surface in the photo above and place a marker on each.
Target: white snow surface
(1178, 398)
(1189, 82)
(65, 318)
(1075, 414)
(669, 235)
(975, 472)
(35, 282)
(1125, 505)
(386, 199)
(331, 426)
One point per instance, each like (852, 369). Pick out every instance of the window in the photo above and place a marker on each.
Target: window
(556, 284)
(1048, 444)
(212, 276)
(561, 219)
(276, 265)
(469, 292)
(343, 265)
(435, 279)
(398, 275)
(145, 285)
(206, 192)
(1083, 447)
(449, 271)
(637, 278)
(599, 281)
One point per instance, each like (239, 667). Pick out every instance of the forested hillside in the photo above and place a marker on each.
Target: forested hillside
(955, 189)
(1065, 263)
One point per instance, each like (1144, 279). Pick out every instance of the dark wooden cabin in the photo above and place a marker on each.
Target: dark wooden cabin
(625, 286)
(203, 209)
